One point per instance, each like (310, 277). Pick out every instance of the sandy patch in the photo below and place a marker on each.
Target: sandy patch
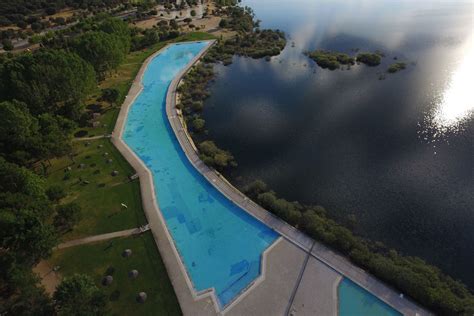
(49, 278)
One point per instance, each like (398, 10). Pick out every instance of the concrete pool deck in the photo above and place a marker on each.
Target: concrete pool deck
(299, 276)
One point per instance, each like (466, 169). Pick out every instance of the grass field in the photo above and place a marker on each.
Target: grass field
(100, 259)
(88, 181)
(100, 198)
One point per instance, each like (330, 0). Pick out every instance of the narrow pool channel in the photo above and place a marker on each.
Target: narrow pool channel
(219, 243)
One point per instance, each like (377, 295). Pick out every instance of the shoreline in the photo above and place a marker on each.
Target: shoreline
(322, 253)
(197, 303)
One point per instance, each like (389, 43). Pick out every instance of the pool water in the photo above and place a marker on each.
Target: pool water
(355, 301)
(219, 243)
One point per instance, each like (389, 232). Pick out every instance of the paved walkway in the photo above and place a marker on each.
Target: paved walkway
(90, 239)
(280, 274)
(83, 139)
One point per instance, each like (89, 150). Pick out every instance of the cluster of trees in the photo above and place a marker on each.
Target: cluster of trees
(396, 67)
(333, 60)
(26, 12)
(328, 59)
(370, 59)
(42, 97)
(239, 19)
(411, 275)
(163, 31)
(213, 156)
(27, 235)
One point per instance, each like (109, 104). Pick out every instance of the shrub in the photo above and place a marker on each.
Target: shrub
(55, 192)
(369, 59)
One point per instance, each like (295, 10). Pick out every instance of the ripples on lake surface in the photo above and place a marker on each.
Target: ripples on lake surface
(396, 153)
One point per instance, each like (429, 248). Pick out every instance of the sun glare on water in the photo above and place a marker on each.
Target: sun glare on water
(457, 102)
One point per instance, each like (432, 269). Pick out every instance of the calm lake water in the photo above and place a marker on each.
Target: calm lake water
(396, 155)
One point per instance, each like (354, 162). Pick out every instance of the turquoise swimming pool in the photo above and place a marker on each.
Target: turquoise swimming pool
(355, 301)
(219, 243)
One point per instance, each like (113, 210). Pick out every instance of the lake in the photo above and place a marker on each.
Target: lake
(389, 155)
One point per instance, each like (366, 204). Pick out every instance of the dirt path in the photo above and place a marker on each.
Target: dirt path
(50, 279)
(86, 240)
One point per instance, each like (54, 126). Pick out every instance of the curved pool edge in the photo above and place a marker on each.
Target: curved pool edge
(183, 287)
(335, 261)
(189, 298)
(197, 303)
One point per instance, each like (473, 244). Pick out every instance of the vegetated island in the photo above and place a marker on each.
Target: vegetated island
(333, 60)
(396, 67)
(370, 59)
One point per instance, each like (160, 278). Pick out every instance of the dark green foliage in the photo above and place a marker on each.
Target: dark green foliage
(396, 67)
(79, 296)
(110, 95)
(19, 132)
(331, 60)
(22, 294)
(67, 216)
(104, 51)
(55, 192)
(370, 59)
(7, 44)
(411, 275)
(48, 81)
(214, 156)
(118, 28)
(14, 11)
(240, 19)
(56, 136)
(198, 124)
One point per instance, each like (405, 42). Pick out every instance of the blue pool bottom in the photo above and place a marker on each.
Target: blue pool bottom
(219, 243)
(355, 301)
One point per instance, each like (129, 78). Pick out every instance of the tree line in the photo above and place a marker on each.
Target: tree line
(42, 96)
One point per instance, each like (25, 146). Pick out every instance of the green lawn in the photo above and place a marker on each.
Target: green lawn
(96, 259)
(123, 77)
(101, 198)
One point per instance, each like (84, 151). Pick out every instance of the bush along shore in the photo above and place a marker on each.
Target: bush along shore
(249, 41)
(411, 275)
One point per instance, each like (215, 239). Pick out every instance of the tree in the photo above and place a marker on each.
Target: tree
(103, 51)
(110, 95)
(55, 192)
(214, 156)
(22, 294)
(24, 138)
(7, 44)
(193, 12)
(56, 136)
(67, 216)
(79, 296)
(118, 28)
(18, 132)
(48, 81)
